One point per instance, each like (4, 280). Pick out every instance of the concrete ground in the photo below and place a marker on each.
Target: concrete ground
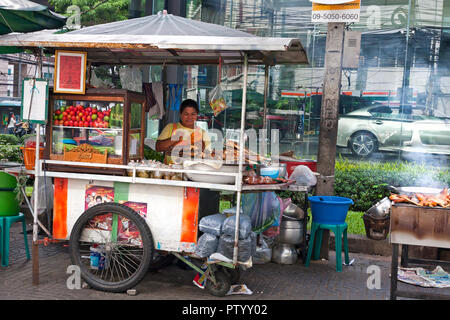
(269, 281)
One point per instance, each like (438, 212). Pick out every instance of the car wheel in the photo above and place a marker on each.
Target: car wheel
(363, 144)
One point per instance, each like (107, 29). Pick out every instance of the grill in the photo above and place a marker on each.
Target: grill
(421, 226)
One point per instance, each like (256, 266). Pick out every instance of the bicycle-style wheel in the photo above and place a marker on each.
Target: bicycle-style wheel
(112, 245)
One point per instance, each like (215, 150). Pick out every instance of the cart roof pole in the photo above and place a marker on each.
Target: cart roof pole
(266, 92)
(35, 253)
(241, 160)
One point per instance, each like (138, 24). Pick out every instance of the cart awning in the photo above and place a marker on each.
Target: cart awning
(27, 16)
(165, 39)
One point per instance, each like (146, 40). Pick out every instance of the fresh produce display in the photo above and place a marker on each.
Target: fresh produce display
(79, 116)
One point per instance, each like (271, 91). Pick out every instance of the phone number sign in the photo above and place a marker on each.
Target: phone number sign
(325, 11)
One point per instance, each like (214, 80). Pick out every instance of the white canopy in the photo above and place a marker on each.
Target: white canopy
(165, 39)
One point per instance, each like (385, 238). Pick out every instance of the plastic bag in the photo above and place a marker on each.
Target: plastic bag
(303, 176)
(45, 194)
(226, 247)
(212, 224)
(206, 245)
(245, 226)
(263, 253)
(263, 208)
(217, 100)
(131, 78)
(274, 229)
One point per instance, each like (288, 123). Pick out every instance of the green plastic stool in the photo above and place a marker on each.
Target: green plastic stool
(340, 231)
(5, 225)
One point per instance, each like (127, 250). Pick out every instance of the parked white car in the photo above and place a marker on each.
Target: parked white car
(382, 128)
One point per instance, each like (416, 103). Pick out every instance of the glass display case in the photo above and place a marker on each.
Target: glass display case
(101, 126)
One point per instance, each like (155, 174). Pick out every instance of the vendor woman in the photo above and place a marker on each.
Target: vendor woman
(182, 134)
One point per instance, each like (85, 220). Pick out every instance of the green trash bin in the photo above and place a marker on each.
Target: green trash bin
(9, 205)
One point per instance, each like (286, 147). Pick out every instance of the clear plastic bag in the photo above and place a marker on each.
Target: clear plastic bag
(245, 226)
(212, 224)
(263, 253)
(263, 208)
(131, 78)
(206, 245)
(303, 176)
(217, 100)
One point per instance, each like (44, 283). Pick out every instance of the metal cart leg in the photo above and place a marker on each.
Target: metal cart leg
(404, 256)
(394, 271)
(305, 225)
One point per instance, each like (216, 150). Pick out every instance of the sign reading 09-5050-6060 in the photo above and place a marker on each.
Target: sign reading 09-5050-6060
(335, 11)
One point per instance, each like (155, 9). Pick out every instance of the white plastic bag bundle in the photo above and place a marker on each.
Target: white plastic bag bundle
(303, 176)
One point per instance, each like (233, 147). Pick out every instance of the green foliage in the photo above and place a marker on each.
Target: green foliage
(11, 152)
(27, 136)
(9, 139)
(95, 11)
(150, 154)
(10, 148)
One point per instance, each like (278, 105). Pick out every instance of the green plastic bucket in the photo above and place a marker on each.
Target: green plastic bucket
(8, 202)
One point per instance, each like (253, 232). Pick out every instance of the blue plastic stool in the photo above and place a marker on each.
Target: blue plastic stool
(5, 225)
(340, 231)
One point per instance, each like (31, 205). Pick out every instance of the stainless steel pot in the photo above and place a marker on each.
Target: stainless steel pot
(381, 209)
(291, 232)
(293, 212)
(283, 253)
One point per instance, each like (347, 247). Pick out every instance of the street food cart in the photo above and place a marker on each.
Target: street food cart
(115, 219)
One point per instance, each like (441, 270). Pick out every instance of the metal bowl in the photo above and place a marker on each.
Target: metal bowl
(210, 178)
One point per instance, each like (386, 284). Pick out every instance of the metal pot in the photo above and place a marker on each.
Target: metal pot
(291, 232)
(381, 209)
(283, 253)
(292, 211)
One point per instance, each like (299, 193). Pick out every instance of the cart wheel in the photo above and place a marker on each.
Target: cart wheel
(222, 285)
(112, 245)
(233, 274)
(161, 260)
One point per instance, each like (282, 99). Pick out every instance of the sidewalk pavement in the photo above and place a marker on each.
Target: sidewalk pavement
(268, 281)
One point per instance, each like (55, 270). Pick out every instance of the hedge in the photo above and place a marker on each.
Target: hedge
(10, 148)
(366, 182)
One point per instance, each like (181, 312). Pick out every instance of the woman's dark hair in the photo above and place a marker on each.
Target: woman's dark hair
(189, 103)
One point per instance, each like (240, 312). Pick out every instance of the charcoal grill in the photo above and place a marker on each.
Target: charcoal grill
(418, 226)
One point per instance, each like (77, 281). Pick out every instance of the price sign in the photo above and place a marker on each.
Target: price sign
(324, 11)
(34, 100)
